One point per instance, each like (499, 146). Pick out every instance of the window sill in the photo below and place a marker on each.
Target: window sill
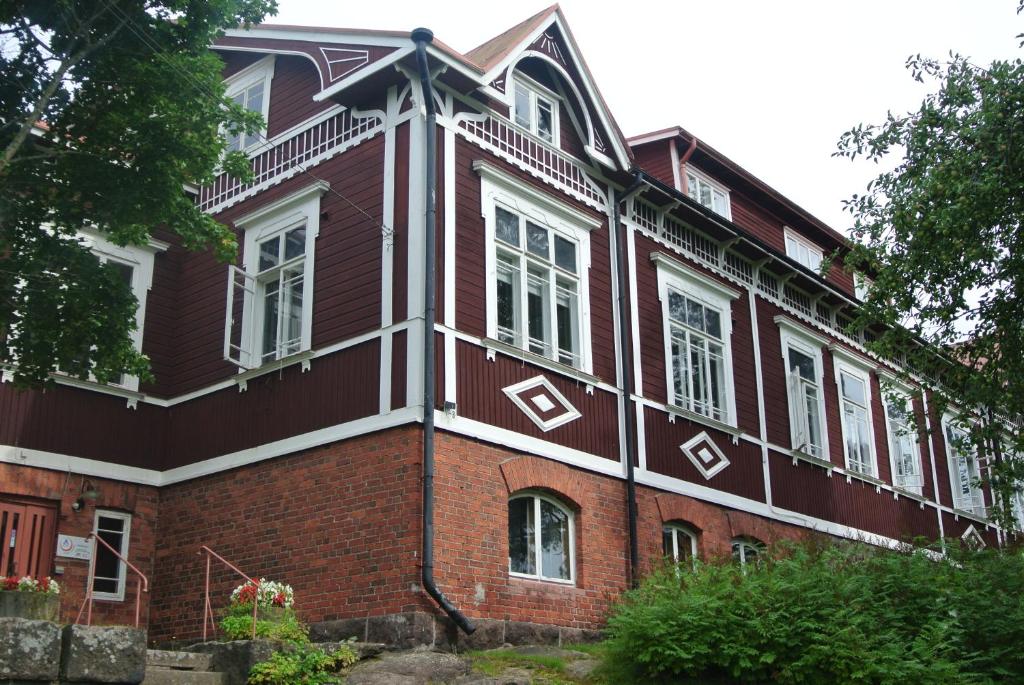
(552, 583)
(909, 494)
(131, 396)
(799, 456)
(304, 357)
(675, 410)
(981, 518)
(871, 480)
(493, 346)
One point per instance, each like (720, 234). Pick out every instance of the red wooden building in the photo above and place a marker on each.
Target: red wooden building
(634, 356)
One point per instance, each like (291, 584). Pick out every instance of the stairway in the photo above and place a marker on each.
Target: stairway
(180, 668)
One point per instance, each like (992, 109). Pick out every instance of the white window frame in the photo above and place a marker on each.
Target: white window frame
(673, 275)
(801, 241)
(861, 285)
(713, 186)
(141, 259)
(122, 568)
(893, 392)
(977, 494)
(793, 336)
(678, 531)
(742, 544)
(300, 207)
(535, 91)
(499, 189)
(843, 362)
(537, 498)
(259, 71)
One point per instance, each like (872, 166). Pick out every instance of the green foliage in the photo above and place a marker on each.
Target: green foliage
(237, 625)
(941, 233)
(305, 665)
(846, 613)
(133, 107)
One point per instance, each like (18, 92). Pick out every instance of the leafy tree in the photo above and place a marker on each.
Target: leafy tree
(108, 108)
(941, 232)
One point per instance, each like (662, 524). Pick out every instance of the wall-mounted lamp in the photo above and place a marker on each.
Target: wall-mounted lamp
(88, 491)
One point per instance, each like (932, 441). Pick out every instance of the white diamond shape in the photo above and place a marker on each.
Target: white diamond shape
(549, 398)
(972, 538)
(543, 402)
(705, 455)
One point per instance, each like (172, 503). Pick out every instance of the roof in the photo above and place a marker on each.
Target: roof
(488, 54)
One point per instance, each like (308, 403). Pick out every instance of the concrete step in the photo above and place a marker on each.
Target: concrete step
(161, 676)
(178, 661)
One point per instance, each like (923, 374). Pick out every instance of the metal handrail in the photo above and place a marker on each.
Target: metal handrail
(143, 585)
(208, 607)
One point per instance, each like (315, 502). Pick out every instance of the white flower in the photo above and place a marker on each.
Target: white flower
(28, 583)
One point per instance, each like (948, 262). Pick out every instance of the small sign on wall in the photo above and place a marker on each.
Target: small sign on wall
(73, 547)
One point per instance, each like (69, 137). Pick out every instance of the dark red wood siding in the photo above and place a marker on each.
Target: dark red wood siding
(655, 158)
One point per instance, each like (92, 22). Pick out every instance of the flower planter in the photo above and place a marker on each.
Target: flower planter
(36, 606)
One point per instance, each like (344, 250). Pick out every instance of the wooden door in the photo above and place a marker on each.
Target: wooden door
(27, 533)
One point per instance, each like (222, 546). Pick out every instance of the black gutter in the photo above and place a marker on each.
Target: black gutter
(421, 37)
(626, 370)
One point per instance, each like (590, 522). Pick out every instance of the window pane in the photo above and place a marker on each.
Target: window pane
(716, 364)
(666, 542)
(713, 322)
(720, 204)
(293, 311)
(813, 420)
(567, 312)
(507, 226)
(692, 186)
(124, 271)
(508, 300)
(853, 388)
(111, 524)
(269, 253)
(554, 542)
(295, 242)
(537, 240)
(270, 310)
(537, 298)
(545, 120)
(705, 195)
(254, 97)
(522, 106)
(678, 367)
(694, 315)
(521, 536)
(803, 365)
(676, 306)
(565, 254)
(697, 377)
(104, 585)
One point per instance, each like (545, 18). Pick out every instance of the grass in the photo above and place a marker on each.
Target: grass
(546, 669)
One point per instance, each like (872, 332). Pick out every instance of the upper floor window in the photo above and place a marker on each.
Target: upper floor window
(855, 411)
(802, 250)
(964, 470)
(903, 449)
(710, 194)
(535, 108)
(697, 326)
(114, 528)
(270, 299)
(541, 539)
(801, 353)
(678, 543)
(250, 88)
(537, 291)
(861, 286)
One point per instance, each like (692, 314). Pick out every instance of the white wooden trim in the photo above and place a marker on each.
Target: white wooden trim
(260, 70)
(681, 270)
(122, 568)
(903, 395)
(546, 203)
(840, 365)
(794, 336)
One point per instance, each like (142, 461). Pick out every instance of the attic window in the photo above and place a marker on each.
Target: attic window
(705, 191)
(250, 89)
(536, 109)
(802, 250)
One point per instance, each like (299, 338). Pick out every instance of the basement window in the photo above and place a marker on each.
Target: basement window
(541, 540)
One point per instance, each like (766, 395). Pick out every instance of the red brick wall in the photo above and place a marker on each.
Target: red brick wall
(340, 523)
(60, 489)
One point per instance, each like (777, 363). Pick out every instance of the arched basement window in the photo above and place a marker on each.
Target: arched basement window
(541, 539)
(678, 542)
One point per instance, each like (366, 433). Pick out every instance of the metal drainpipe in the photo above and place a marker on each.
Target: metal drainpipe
(682, 165)
(626, 371)
(421, 37)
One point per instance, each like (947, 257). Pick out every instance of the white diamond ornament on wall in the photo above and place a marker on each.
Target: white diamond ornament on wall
(702, 451)
(542, 403)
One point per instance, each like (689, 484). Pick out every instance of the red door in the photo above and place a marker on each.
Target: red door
(26, 538)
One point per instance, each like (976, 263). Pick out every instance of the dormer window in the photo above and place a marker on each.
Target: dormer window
(250, 89)
(536, 109)
(802, 250)
(705, 191)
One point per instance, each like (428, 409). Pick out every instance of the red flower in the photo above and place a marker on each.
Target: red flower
(248, 593)
(11, 583)
(279, 599)
(43, 585)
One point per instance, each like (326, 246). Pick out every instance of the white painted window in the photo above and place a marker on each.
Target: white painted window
(270, 299)
(697, 324)
(541, 539)
(710, 194)
(250, 88)
(904, 454)
(855, 414)
(538, 254)
(801, 354)
(134, 265)
(114, 528)
(535, 108)
(964, 469)
(678, 542)
(803, 250)
(747, 550)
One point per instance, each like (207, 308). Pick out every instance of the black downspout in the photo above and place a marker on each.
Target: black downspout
(421, 37)
(627, 372)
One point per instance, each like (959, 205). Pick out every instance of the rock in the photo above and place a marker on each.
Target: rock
(410, 668)
(234, 659)
(522, 633)
(510, 676)
(340, 629)
(364, 650)
(103, 654)
(581, 669)
(29, 650)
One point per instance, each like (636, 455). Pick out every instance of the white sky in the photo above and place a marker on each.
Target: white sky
(770, 84)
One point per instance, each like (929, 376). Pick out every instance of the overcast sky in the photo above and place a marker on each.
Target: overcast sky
(770, 84)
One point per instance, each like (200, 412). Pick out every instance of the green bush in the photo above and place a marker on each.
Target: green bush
(306, 665)
(843, 613)
(237, 625)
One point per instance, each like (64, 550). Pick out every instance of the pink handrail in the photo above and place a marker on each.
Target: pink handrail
(143, 585)
(208, 607)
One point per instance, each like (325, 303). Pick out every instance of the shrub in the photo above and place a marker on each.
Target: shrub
(843, 613)
(305, 665)
(237, 625)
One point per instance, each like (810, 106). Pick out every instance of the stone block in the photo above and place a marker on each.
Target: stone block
(234, 659)
(29, 650)
(401, 631)
(523, 633)
(338, 630)
(103, 654)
